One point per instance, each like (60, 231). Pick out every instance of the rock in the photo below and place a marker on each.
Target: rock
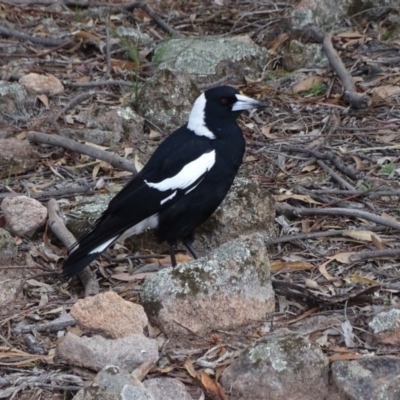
(9, 287)
(278, 367)
(369, 378)
(23, 215)
(299, 55)
(42, 84)
(15, 103)
(385, 327)
(108, 126)
(109, 315)
(167, 99)
(225, 290)
(113, 383)
(96, 352)
(16, 157)
(167, 389)
(135, 35)
(318, 12)
(8, 248)
(86, 211)
(208, 59)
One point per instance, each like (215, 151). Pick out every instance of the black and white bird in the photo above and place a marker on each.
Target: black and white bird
(182, 184)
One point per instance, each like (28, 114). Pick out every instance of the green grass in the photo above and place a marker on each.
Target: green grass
(388, 168)
(316, 90)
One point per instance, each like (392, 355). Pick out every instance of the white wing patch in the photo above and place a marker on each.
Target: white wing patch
(103, 246)
(187, 175)
(168, 198)
(148, 223)
(196, 119)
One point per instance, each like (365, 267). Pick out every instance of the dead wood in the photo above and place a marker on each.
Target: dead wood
(113, 159)
(286, 209)
(67, 238)
(356, 100)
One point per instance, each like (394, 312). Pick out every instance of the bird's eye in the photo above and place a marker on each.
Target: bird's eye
(224, 101)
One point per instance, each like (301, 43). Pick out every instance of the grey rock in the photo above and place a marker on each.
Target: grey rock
(23, 215)
(15, 102)
(108, 126)
(16, 157)
(385, 326)
(211, 58)
(278, 367)
(136, 36)
(167, 99)
(114, 383)
(167, 389)
(8, 248)
(225, 290)
(369, 378)
(84, 213)
(299, 55)
(96, 352)
(9, 287)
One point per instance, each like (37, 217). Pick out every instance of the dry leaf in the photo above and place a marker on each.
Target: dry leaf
(310, 283)
(307, 84)
(384, 92)
(44, 99)
(180, 258)
(358, 235)
(190, 368)
(359, 163)
(277, 43)
(377, 241)
(301, 197)
(356, 278)
(279, 265)
(213, 389)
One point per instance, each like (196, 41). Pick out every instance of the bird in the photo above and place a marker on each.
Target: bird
(182, 184)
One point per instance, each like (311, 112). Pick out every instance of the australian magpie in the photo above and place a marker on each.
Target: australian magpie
(182, 184)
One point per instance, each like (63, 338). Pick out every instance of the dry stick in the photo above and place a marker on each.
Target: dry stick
(6, 31)
(113, 159)
(67, 238)
(317, 235)
(286, 209)
(335, 176)
(356, 100)
(99, 83)
(365, 255)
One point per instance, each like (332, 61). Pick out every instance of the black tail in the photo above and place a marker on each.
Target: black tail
(76, 262)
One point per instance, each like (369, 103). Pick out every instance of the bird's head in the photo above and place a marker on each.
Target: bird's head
(218, 105)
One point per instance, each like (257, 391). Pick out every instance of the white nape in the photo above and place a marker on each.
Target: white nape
(244, 103)
(103, 246)
(189, 174)
(196, 122)
(168, 198)
(148, 223)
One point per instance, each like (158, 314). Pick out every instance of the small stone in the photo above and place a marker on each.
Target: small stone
(368, 378)
(109, 315)
(167, 389)
(276, 367)
(96, 352)
(42, 84)
(8, 249)
(225, 290)
(23, 215)
(16, 157)
(386, 327)
(114, 383)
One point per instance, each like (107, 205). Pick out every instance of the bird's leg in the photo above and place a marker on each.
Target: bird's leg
(172, 254)
(188, 245)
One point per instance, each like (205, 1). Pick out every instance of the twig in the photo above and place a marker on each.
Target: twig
(317, 235)
(113, 159)
(6, 31)
(335, 176)
(99, 83)
(356, 100)
(286, 209)
(366, 255)
(108, 51)
(64, 321)
(67, 238)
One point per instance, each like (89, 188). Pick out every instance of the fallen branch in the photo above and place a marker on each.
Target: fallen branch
(54, 140)
(62, 322)
(99, 83)
(286, 209)
(356, 100)
(58, 227)
(317, 235)
(367, 255)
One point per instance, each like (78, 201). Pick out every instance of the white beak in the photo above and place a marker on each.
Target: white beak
(246, 103)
